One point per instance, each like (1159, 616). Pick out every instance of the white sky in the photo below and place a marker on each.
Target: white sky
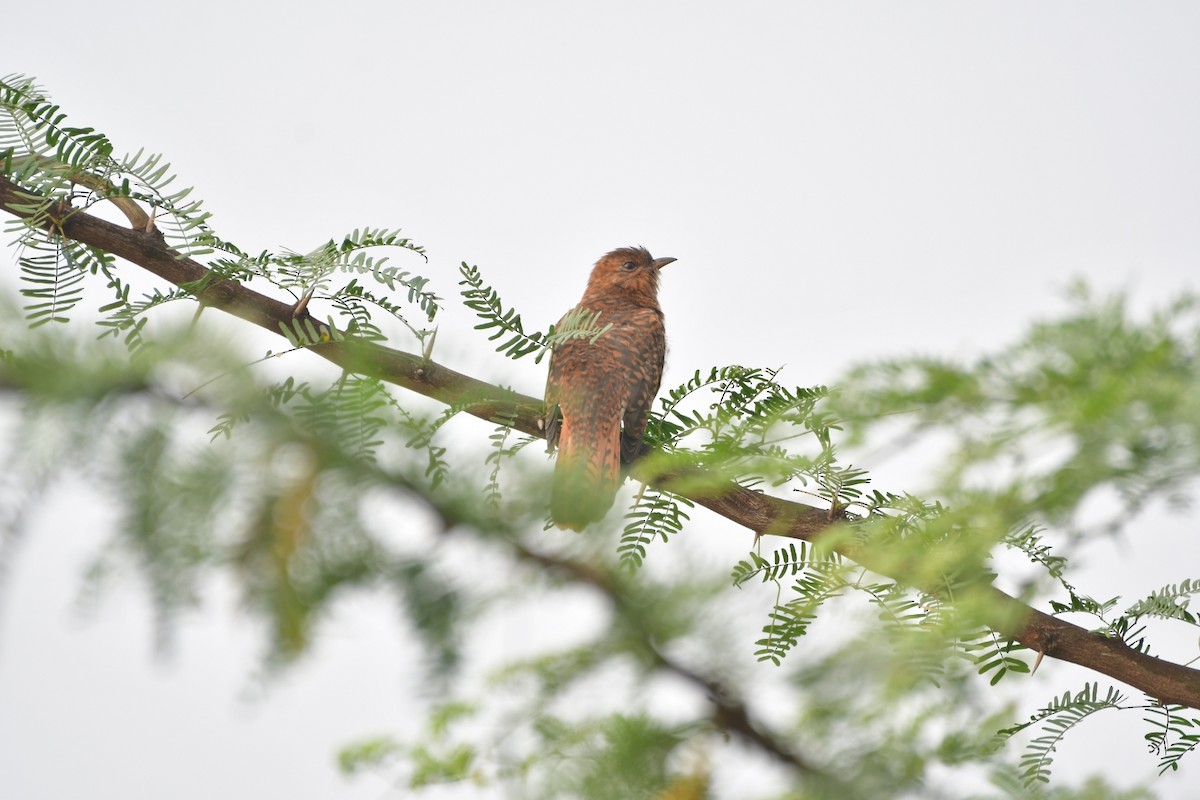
(839, 181)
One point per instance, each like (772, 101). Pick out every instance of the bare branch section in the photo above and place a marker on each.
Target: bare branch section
(763, 514)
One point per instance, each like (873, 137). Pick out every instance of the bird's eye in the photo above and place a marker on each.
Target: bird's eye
(628, 266)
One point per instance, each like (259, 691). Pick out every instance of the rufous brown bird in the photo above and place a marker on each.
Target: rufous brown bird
(599, 392)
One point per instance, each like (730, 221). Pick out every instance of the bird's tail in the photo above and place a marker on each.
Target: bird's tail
(587, 473)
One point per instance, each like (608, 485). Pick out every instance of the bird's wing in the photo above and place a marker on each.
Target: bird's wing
(645, 374)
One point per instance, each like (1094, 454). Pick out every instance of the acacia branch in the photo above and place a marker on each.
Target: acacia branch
(763, 514)
(730, 713)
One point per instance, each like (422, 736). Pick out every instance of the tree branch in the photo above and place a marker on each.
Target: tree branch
(730, 713)
(1168, 682)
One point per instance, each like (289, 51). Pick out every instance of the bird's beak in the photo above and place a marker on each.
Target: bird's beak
(659, 263)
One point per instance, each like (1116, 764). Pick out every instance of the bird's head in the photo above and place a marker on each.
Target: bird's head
(627, 271)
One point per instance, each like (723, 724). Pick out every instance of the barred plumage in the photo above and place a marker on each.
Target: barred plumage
(598, 394)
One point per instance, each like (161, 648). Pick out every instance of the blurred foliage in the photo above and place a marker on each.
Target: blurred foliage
(818, 679)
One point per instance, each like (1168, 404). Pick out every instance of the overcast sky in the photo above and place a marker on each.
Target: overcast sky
(839, 181)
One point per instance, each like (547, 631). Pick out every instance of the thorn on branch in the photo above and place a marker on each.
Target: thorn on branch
(302, 303)
(836, 510)
(427, 349)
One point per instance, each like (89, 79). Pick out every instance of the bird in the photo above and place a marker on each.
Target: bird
(599, 390)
